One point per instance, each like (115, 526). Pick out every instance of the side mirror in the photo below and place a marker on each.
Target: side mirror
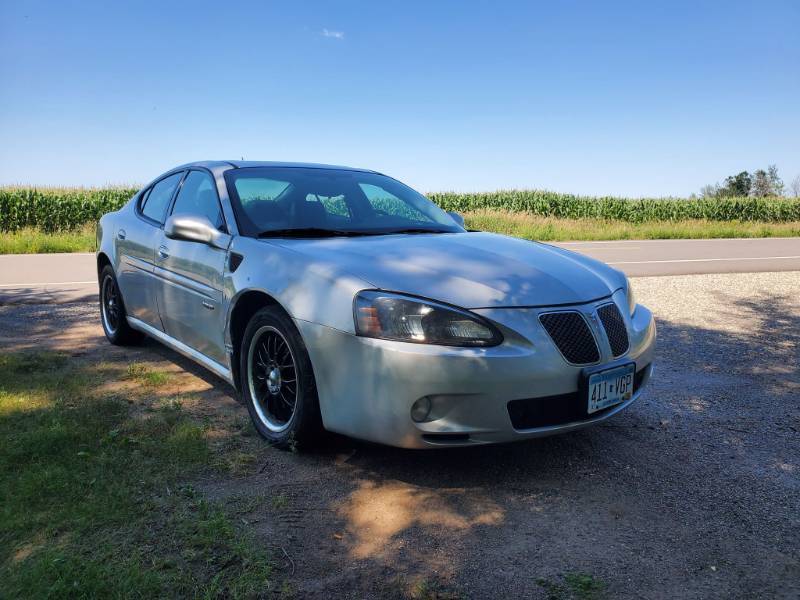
(195, 229)
(457, 217)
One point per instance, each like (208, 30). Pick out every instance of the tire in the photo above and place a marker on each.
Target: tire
(112, 311)
(277, 381)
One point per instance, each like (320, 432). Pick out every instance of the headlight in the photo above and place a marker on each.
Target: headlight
(631, 297)
(396, 317)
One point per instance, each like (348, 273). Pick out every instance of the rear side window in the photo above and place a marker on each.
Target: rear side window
(198, 198)
(157, 201)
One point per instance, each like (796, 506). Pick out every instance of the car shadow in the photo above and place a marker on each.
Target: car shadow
(60, 294)
(190, 366)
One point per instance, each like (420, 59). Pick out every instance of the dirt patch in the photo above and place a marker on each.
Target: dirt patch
(693, 492)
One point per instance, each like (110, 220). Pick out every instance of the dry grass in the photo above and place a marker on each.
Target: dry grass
(534, 227)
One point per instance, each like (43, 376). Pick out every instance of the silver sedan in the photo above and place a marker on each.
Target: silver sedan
(340, 299)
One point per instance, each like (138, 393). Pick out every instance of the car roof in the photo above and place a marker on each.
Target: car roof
(245, 164)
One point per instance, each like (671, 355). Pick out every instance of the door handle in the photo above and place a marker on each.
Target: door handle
(121, 234)
(163, 252)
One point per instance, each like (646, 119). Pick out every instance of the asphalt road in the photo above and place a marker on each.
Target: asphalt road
(58, 278)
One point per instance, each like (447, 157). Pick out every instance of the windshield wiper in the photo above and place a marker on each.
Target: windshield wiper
(416, 230)
(310, 232)
(321, 232)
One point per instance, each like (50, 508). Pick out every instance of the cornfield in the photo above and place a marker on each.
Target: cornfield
(67, 209)
(567, 206)
(57, 209)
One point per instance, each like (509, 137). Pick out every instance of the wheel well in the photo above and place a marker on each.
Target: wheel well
(102, 261)
(246, 306)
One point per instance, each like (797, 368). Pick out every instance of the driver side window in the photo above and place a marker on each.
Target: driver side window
(155, 203)
(198, 198)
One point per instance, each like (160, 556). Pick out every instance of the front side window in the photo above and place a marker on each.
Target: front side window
(387, 204)
(159, 197)
(286, 199)
(198, 198)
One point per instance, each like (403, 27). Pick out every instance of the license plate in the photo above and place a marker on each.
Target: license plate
(610, 387)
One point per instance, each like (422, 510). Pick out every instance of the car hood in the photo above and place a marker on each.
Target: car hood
(471, 270)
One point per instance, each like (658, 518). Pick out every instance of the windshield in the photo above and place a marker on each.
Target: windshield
(311, 201)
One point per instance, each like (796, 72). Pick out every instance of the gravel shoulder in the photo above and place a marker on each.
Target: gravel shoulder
(694, 492)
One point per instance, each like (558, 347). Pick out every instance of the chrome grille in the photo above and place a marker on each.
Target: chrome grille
(615, 328)
(572, 336)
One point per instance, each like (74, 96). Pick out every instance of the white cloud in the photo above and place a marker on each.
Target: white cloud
(329, 33)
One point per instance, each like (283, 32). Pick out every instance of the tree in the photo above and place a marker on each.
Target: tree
(775, 182)
(795, 187)
(767, 183)
(760, 184)
(710, 191)
(760, 187)
(736, 185)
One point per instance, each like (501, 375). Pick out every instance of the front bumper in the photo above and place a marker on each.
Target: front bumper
(367, 387)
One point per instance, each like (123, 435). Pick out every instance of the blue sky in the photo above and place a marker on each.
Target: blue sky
(638, 98)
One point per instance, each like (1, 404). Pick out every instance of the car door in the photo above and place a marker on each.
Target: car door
(190, 274)
(136, 241)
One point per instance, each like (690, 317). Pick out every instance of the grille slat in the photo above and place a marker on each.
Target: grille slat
(572, 336)
(615, 328)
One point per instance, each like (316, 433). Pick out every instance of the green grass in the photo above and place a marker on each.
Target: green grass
(34, 241)
(146, 376)
(580, 586)
(94, 495)
(534, 227)
(584, 586)
(280, 502)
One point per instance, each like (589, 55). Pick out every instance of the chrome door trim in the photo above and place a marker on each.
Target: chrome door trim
(187, 283)
(212, 365)
(137, 263)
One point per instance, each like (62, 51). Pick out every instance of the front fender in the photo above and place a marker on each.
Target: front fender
(309, 290)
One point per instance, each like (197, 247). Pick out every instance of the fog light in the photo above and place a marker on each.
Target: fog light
(421, 409)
